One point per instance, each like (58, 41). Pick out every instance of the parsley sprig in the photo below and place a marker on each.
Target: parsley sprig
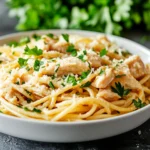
(103, 52)
(66, 37)
(33, 51)
(37, 64)
(84, 75)
(87, 84)
(138, 103)
(22, 62)
(120, 90)
(71, 79)
(71, 49)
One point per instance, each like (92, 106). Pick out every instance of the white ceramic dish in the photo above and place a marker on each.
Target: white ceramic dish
(75, 131)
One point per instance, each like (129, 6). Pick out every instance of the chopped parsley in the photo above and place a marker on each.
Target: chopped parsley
(0, 53)
(51, 85)
(120, 75)
(87, 84)
(27, 68)
(17, 82)
(1, 61)
(63, 84)
(26, 109)
(29, 100)
(24, 40)
(71, 49)
(1, 111)
(13, 43)
(33, 51)
(120, 90)
(36, 110)
(37, 64)
(66, 37)
(50, 35)
(84, 75)
(103, 52)
(71, 79)
(36, 37)
(84, 52)
(56, 68)
(138, 103)
(101, 72)
(22, 62)
(81, 57)
(126, 53)
(28, 92)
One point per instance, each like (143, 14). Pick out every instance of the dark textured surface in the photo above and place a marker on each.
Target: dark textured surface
(137, 139)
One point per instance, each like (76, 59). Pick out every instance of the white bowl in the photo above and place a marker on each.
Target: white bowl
(76, 131)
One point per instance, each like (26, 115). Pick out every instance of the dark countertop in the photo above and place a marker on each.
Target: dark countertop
(137, 139)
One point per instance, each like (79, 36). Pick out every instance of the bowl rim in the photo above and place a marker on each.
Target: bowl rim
(123, 116)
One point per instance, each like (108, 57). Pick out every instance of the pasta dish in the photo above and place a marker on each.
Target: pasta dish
(71, 78)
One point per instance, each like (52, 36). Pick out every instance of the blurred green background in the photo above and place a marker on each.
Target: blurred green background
(109, 16)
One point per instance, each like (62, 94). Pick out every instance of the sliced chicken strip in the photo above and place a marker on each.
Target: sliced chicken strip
(136, 66)
(102, 81)
(94, 60)
(54, 45)
(66, 66)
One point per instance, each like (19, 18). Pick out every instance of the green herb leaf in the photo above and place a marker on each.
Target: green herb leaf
(24, 40)
(71, 49)
(84, 75)
(81, 57)
(101, 72)
(29, 100)
(138, 103)
(22, 62)
(120, 90)
(36, 37)
(1, 61)
(37, 64)
(26, 109)
(0, 53)
(1, 111)
(56, 68)
(13, 43)
(71, 79)
(17, 83)
(51, 85)
(28, 92)
(103, 52)
(87, 84)
(52, 36)
(84, 52)
(66, 37)
(63, 84)
(33, 51)
(36, 110)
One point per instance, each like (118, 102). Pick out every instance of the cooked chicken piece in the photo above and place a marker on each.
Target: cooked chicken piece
(59, 46)
(94, 60)
(108, 95)
(148, 69)
(128, 81)
(88, 43)
(66, 66)
(52, 54)
(136, 66)
(102, 81)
